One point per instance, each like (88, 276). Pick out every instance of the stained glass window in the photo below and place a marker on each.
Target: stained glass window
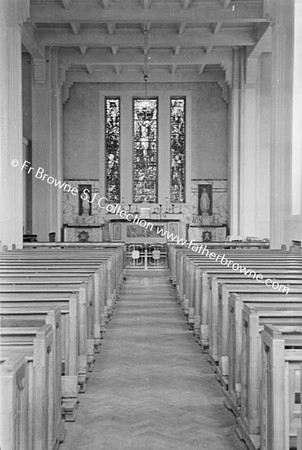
(112, 148)
(145, 154)
(178, 149)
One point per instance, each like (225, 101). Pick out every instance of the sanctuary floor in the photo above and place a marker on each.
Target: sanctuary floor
(151, 387)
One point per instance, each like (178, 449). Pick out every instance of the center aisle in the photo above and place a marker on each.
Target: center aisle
(151, 387)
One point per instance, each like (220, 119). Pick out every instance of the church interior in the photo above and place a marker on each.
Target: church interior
(151, 224)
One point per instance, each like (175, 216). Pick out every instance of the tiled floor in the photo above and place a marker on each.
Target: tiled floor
(151, 387)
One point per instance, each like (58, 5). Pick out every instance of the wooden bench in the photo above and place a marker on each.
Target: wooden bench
(29, 314)
(236, 304)
(197, 269)
(253, 321)
(219, 297)
(85, 330)
(112, 279)
(97, 276)
(31, 283)
(195, 282)
(281, 350)
(173, 251)
(14, 392)
(23, 332)
(45, 427)
(184, 256)
(206, 283)
(101, 294)
(222, 311)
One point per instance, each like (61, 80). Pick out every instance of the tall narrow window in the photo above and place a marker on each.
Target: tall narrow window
(178, 149)
(145, 154)
(112, 148)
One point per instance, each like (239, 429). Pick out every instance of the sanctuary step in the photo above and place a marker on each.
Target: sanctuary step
(152, 273)
(151, 387)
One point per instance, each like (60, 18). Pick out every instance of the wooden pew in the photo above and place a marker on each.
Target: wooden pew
(14, 393)
(220, 301)
(96, 315)
(198, 293)
(97, 276)
(184, 256)
(194, 272)
(219, 295)
(99, 273)
(281, 374)
(213, 268)
(206, 294)
(37, 274)
(193, 297)
(19, 333)
(236, 304)
(114, 266)
(85, 340)
(253, 321)
(46, 429)
(173, 250)
(35, 313)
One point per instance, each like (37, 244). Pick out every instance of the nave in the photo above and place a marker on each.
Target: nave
(151, 387)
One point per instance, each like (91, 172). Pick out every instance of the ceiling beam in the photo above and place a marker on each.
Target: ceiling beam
(264, 42)
(76, 27)
(136, 77)
(117, 69)
(173, 69)
(106, 58)
(225, 3)
(177, 50)
(106, 4)
(67, 4)
(114, 49)
(111, 28)
(146, 26)
(146, 4)
(201, 68)
(89, 69)
(160, 38)
(127, 12)
(217, 27)
(182, 27)
(29, 40)
(83, 49)
(186, 4)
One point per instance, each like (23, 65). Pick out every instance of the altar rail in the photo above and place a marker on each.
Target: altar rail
(146, 255)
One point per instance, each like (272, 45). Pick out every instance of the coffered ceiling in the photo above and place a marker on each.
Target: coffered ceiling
(121, 40)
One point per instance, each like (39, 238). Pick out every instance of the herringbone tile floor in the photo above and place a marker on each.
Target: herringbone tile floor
(151, 387)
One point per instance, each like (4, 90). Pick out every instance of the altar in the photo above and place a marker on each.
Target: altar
(207, 233)
(82, 233)
(147, 230)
